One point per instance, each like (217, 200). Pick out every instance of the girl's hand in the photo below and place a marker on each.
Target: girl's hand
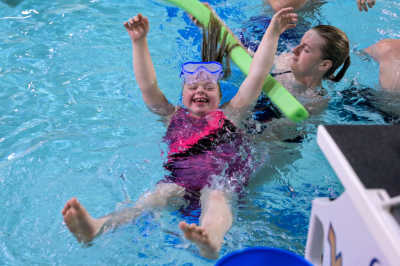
(137, 27)
(283, 19)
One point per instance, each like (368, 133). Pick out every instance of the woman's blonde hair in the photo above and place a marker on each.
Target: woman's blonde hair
(336, 49)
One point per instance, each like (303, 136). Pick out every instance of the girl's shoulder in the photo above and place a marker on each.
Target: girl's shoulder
(168, 118)
(235, 116)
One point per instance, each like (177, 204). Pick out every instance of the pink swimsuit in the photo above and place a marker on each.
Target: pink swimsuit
(207, 151)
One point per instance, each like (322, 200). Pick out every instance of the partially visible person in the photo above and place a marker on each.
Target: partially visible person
(323, 54)
(323, 50)
(387, 53)
(382, 99)
(358, 102)
(253, 29)
(308, 11)
(12, 3)
(276, 5)
(363, 5)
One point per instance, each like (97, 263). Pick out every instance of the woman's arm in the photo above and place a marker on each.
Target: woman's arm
(145, 75)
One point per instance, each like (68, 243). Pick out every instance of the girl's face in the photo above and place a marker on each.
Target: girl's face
(307, 56)
(201, 97)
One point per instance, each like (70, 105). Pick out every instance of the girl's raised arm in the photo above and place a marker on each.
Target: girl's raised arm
(145, 75)
(263, 60)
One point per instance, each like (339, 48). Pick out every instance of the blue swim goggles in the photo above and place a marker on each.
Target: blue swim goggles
(193, 72)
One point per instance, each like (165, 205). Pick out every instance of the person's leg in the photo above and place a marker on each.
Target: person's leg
(85, 228)
(79, 222)
(215, 221)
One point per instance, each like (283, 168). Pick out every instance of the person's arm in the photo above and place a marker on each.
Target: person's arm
(145, 75)
(387, 53)
(363, 5)
(372, 51)
(263, 60)
(384, 49)
(279, 4)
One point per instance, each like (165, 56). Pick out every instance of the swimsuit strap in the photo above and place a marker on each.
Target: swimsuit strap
(280, 73)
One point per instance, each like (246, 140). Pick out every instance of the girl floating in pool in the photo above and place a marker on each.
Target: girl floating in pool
(205, 145)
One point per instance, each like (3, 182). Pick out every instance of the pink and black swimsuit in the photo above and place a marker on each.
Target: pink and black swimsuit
(207, 151)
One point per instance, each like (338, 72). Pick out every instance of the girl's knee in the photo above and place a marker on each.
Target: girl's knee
(169, 190)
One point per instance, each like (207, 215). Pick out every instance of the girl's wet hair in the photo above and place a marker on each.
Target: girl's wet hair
(336, 49)
(215, 48)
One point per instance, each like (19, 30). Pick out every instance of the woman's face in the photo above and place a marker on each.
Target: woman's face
(201, 97)
(307, 56)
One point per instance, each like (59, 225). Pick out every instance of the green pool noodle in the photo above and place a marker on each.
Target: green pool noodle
(286, 102)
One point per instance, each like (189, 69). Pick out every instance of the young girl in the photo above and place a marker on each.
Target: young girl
(204, 142)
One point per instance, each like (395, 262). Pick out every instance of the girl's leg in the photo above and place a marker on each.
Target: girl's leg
(215, 221)
(85, 228)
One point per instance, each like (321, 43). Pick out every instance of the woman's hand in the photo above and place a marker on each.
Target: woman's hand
(282, 20)
(137, 27)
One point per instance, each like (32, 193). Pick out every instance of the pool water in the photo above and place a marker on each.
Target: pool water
(73, 124)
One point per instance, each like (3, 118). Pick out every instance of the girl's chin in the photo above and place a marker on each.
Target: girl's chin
(199, 111)
(200, 106)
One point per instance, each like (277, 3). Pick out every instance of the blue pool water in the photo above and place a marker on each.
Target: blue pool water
(73, 124)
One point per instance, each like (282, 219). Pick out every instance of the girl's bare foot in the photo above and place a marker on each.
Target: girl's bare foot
(197, 234)
(79, 222)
